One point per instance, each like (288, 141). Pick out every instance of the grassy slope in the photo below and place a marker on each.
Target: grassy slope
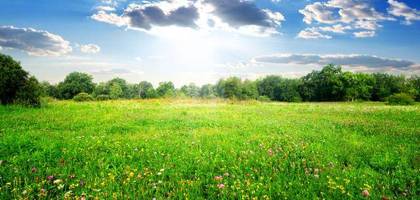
(146, 149)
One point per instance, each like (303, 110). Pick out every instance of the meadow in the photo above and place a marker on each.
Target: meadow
(198, 149)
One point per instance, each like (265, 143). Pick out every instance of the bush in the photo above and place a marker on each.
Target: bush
(103, 97)
(264, 98)
(400, 99)
(83, 97)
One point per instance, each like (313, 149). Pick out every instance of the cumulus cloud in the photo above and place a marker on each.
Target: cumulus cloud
(351, 60)
(400, 9)
(364, 34)
(312, 33)
(355, 15)
(240, 15)
(90, 48)
(34, 42)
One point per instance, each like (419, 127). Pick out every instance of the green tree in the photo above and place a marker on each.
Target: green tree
(386, 85)
(249, 90)
(115, 91)
(123, 84)
(190, 90)
(207, 91)
(358, 86)
(30, 93)
(146, 90)
(12, 78)
(229, 88)
(324, 85)
(75, 83)
(166, 89)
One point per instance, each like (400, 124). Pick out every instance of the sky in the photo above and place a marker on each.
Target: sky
(201, 41)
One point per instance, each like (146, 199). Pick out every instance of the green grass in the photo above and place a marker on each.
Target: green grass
(186, 149)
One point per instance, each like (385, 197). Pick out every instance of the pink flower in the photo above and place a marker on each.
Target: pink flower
(221, 186)
(50, 178)
(218, 178)
(365, 193)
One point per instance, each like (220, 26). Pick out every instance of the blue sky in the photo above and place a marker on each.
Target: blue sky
(203, 40)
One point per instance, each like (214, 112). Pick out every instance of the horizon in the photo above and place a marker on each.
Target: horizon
(202, 41)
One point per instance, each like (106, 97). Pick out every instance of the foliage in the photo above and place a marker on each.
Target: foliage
(168, 149)
(190, 90)
(103, 97)
(400, 99)
(116, 91)
(75, 83)
(83, 97)
(165, 90)
(15, 84)
(146, 90)
(386, 85)
(207, 91)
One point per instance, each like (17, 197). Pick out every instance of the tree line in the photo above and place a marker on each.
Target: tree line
(329, 84)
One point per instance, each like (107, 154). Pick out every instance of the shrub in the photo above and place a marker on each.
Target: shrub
(264, 98)
(103, 97)
(400, 99)
(83, 97)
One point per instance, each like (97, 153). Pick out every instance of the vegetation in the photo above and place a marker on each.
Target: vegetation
(400, 99)
(201, 149)
(16, 86)
(83, 97)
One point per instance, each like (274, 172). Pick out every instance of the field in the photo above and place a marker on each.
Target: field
(191, 149)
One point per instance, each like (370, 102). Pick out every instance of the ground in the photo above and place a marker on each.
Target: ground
(198, 149)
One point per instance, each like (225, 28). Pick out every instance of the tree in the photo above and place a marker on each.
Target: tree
(122, 83)
(267, 85)
(15, 84)
(49, 90)
(358, 86)
(12, 78)
(386, 85)
(30, 93)
(115, 91)
(190, 90)
(75, 83)
(248, 90)
(229, 88)
(101, 89)
(414, 84)
(146, 90)
(207, 91)
(166, 89)
(324, 85)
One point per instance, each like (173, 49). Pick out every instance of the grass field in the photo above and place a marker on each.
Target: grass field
(188, 149)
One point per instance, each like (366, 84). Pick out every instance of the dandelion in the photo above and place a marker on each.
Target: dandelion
(221, 186)
(218, 178)
(365, 193)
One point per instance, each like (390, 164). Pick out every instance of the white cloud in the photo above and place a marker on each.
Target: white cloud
(34, 42)
(349, 60)
(235, 15)
(352, 15)
(312, 33)
(400, 9)
(90, 48)
(364, 34)
(105, 8)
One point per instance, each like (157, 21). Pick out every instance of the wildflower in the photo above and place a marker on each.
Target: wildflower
(72, 176)
(83, 197)
(218, 178)
(270, 152)
(24, 192)
(34, 170)
(131, 174)
(316, 171)
(365, 193)
(50, 178)
(43, 192)
(58, 181)
(221, 186)
(226, 174)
